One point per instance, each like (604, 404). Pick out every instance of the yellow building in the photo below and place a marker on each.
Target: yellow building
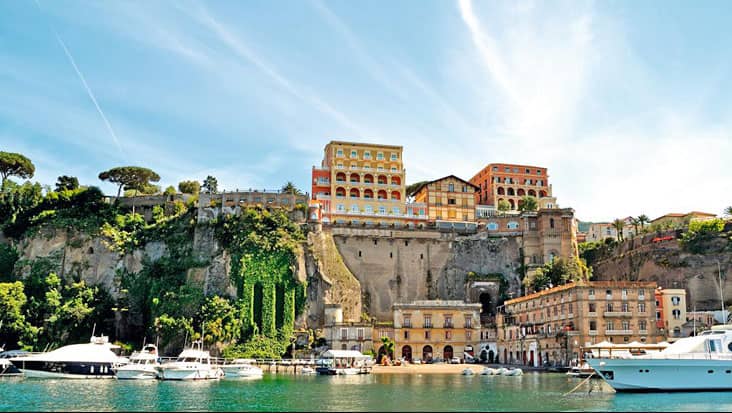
(552, 326)
(436, 329)
(675, 220)
(361, 183)
(448, 199)
(671, 311)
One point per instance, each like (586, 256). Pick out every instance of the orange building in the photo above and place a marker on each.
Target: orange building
(363, 184)
(447, 199)
(510, 182)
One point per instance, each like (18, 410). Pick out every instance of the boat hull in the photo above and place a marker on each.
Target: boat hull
(176, 373)
(665, 375)
(242, 372)
(136, 373)
(64, 370)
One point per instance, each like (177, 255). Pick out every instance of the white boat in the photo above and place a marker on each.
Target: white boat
(701, 363)
(307, 370)
(241, 369)
(94, 360)
(582, 371)
(142, 366)
(512, 372)
(487, 371)
(192, 364)
(468, 372)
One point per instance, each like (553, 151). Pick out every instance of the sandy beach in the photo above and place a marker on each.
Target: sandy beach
(440, 368)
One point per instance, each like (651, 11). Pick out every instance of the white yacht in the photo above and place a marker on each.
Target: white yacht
(94, 360)
(701, 363)
(192, 364)
(241, 369)
(142, 366)
(344, 362)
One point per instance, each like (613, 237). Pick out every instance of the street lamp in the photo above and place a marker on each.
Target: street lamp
(721, 292)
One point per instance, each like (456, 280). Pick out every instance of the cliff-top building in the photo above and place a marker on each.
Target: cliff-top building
(362, 183)
(447, 199)
(509, 182)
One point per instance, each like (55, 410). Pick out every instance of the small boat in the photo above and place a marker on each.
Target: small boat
(241, 369)
(513, 372)
(500, 371)
(307, 370)
(582, 371)
(343, 362)
(192, 364)
(468, 372)
(94, 360)
(143, 365)
(489, 372)
(7, 369)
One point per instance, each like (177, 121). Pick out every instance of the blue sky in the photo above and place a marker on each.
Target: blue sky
(627, 103)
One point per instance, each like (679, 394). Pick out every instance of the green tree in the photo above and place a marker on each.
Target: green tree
(16, 200)
(8, 258)
(221, 320)
(728, 211)
(189, 187)
(643, 220)
(130, 177)
(413, 187)
(169, 191)
(388, 346)
(558, 272)
(211, 185)
(528, 203)
(503, 205)
(619, 224)
(67, 183)
(15, 164)
(635, 222)
(13, 326)
(290, 188)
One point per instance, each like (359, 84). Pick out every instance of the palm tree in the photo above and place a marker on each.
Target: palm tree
(643, 220)
(388, 345)
(728, 211)
(618, 224)
(290, 188)
(635, 222)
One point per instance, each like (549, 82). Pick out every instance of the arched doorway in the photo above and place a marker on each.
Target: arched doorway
(380, 355)
(407, 353)
(505, 355)
(531, 358)
(447, 353)
(485, 302)
(427, 353)
(491, 356)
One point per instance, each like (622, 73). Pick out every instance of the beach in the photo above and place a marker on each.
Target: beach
(439, 368)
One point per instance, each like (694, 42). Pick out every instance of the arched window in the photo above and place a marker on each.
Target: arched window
(511, 192)
(501, 191)
(395, 180)
(354, 193)
(532, 192)
(340, 177)
(520, 192)
(396, 195)
(355, 178)
(382, 180)
(551, 222)
(368, 179)
(340, 192)
(368, 194)
(381, 194)
(542, 194)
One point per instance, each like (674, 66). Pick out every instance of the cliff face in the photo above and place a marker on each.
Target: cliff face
(672, 266)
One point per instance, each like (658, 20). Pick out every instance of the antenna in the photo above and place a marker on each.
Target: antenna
(94, 329)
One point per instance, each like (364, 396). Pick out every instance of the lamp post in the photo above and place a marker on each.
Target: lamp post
(721, 292)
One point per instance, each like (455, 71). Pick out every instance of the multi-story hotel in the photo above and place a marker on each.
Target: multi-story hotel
(552, 326)
(509, 182)
(343, 335)
(671, 311)
(360, 183)
(447, 199)
(436, 329)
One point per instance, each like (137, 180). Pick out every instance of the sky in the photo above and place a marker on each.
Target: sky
(626, 103)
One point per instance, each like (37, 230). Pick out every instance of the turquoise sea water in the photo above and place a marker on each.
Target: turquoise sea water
(530, 392)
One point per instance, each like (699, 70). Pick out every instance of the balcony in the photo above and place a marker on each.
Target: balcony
(591, 297)
(643, 332)
(618, 314)
(618, 332)
(592, 314)
(593, 332)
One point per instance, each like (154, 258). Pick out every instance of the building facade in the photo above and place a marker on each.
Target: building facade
(363, 184)
(340, 335)
(447, 199)
(436, 329)
(675, 220)
(511, 182)
(211, 206)
(671, 311)
(552, 326)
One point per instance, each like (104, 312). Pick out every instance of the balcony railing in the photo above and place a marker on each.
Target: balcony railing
(618, 332)
(593, 332)
(618, 314)
(592, 314)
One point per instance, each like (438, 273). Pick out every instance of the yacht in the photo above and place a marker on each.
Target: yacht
(142, 366)
(192, 364)
(343, 362)
(7, 368)
(241, 369)
(94, 360)
(581, 371)
(700, 363)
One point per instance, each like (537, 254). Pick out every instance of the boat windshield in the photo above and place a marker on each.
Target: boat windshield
(188, 359)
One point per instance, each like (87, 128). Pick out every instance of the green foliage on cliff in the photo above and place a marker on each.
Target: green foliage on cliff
(699, 233)
(558, 272)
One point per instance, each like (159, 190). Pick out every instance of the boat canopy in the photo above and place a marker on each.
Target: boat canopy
(344, 354)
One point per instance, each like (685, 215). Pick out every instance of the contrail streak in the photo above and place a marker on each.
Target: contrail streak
(86, 86)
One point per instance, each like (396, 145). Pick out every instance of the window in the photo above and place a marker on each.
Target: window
(340, 207)
(448, 321)
(512, 225)
(658, 315)
(406, 334)
(591, 293)
(676, 314)
(624, 293)
(339, 152)
(624, 307)
(492, 226)
(344, 334)
(610, 307)
(675, 300)
(609, 294)
(448, 335)
(451, 201)
(468, 321)
(382, 210)
(610, 326)
(367, 155)
(451, 187)
(593, 325)
(626, 325)
(538, 171)
(528, 171)
(427, 335)
(354, 208)
(407, 322)
(641, 294)
(369, 209)
(642, 325)
(641, 307)
(395, 211)
(380, 156)
(394, 157)
(427, 321)
(468, 335)
(354, 154)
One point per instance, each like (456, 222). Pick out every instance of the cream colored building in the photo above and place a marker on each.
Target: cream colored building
(448, 199)
(436, 329)
(671, 311)
(552, 326)
(340, 335)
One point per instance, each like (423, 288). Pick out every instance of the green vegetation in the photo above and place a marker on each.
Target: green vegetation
(619, 224)
(528, 203)
(290, 188)
(134, 178)
(67, 183)
(15, 164)
(503, 205)
(699, 233)
(211, 185)
(413, 187)
(558, 272)
(189, 187)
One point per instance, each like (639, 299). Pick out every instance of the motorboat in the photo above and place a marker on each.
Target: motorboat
(468, 372)
(699, 363)
(581, 371)
(512, 372)
(307, 370)
(93, 360)
(7, 369)
(487, 371)
(142, 366)
(193, 363)
(241, 369)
